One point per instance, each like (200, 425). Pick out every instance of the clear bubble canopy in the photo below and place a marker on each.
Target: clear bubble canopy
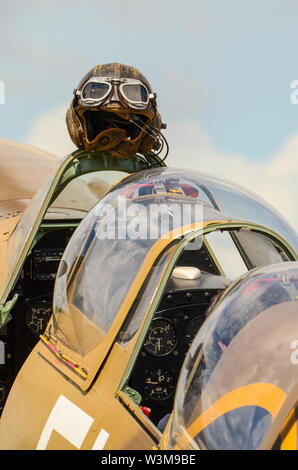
(110, 245)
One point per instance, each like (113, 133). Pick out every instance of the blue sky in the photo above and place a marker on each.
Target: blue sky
(223, 67)
(227, 65)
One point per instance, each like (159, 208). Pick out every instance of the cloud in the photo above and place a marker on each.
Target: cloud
(275, 180)
(49, 131)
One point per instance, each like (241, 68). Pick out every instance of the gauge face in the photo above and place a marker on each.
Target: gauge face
(38, 316)
(193, 327)
(159, 384)
(161, 339)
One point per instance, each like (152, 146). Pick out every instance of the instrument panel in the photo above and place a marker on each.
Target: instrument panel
(166, 344)
(180, 314)
(33, 309)
(44, 264)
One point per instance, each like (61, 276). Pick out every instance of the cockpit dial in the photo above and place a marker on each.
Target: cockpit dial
(38, 316)
(162, 338)
(159, 384)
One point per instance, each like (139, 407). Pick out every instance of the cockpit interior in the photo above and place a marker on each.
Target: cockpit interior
(181, 312)
(33, 309)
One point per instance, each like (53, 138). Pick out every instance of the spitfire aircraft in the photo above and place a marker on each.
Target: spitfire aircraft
(112, 269)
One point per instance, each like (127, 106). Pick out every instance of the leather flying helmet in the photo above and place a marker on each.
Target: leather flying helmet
(114, 110)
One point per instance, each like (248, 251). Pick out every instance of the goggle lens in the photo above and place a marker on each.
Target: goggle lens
(135, 93)
(95, 91)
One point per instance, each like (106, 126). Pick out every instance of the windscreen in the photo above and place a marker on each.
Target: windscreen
(81, 194)
(109, 248)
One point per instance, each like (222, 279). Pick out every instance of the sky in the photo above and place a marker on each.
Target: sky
(222, 71)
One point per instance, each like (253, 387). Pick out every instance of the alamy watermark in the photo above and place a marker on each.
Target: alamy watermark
(2, 92)
(137, 221)
(294, 355)
(294, 94)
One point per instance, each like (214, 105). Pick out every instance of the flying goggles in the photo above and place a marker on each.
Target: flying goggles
(97, 90)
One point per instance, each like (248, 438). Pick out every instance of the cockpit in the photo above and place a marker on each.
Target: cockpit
(138, 268)
(141, 239)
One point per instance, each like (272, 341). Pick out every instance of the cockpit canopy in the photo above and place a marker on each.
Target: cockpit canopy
(111, 244)
(115, 239)
(241, 365)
